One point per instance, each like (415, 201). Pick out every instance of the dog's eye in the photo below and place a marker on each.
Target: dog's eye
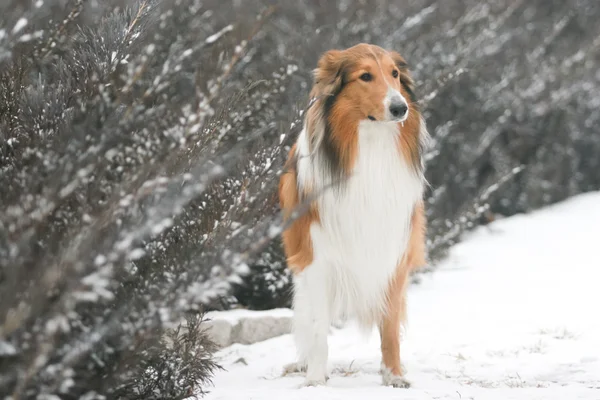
(366, 77)
(395, 73)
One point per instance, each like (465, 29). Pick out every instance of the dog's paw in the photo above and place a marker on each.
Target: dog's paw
(396, 381)
(314, 382)
(294, 368)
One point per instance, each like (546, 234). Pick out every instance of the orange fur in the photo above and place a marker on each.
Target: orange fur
(411, 129)
(416, 252)
(409, 140)
(296, 239)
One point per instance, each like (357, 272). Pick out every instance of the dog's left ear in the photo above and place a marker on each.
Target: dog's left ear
(405, 78)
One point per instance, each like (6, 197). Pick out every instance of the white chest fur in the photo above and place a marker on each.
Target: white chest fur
(364, 228)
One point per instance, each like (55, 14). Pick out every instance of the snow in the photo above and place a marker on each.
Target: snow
(21, 23)
(213, 38)
(235, 315)
(510, 314)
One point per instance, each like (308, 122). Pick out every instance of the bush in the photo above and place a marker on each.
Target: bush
(121, 212)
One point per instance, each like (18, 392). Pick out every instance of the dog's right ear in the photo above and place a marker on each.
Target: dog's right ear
(405, 79)
(329, 75)
(328, 81)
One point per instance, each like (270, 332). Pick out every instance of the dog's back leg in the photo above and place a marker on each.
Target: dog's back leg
(391, 368)
(389, 330)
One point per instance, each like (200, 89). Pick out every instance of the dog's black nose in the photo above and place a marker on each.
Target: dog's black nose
(398, 110)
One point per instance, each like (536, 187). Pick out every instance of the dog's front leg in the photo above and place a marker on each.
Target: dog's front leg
(312, 319)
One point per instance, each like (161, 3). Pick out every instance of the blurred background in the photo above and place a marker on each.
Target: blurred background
(141, 144)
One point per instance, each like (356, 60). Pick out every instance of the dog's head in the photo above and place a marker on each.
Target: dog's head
(365, 82)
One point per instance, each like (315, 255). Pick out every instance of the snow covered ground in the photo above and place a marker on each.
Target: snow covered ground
(513, 313)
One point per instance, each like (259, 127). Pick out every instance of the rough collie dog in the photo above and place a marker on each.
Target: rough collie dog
(357, 163)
